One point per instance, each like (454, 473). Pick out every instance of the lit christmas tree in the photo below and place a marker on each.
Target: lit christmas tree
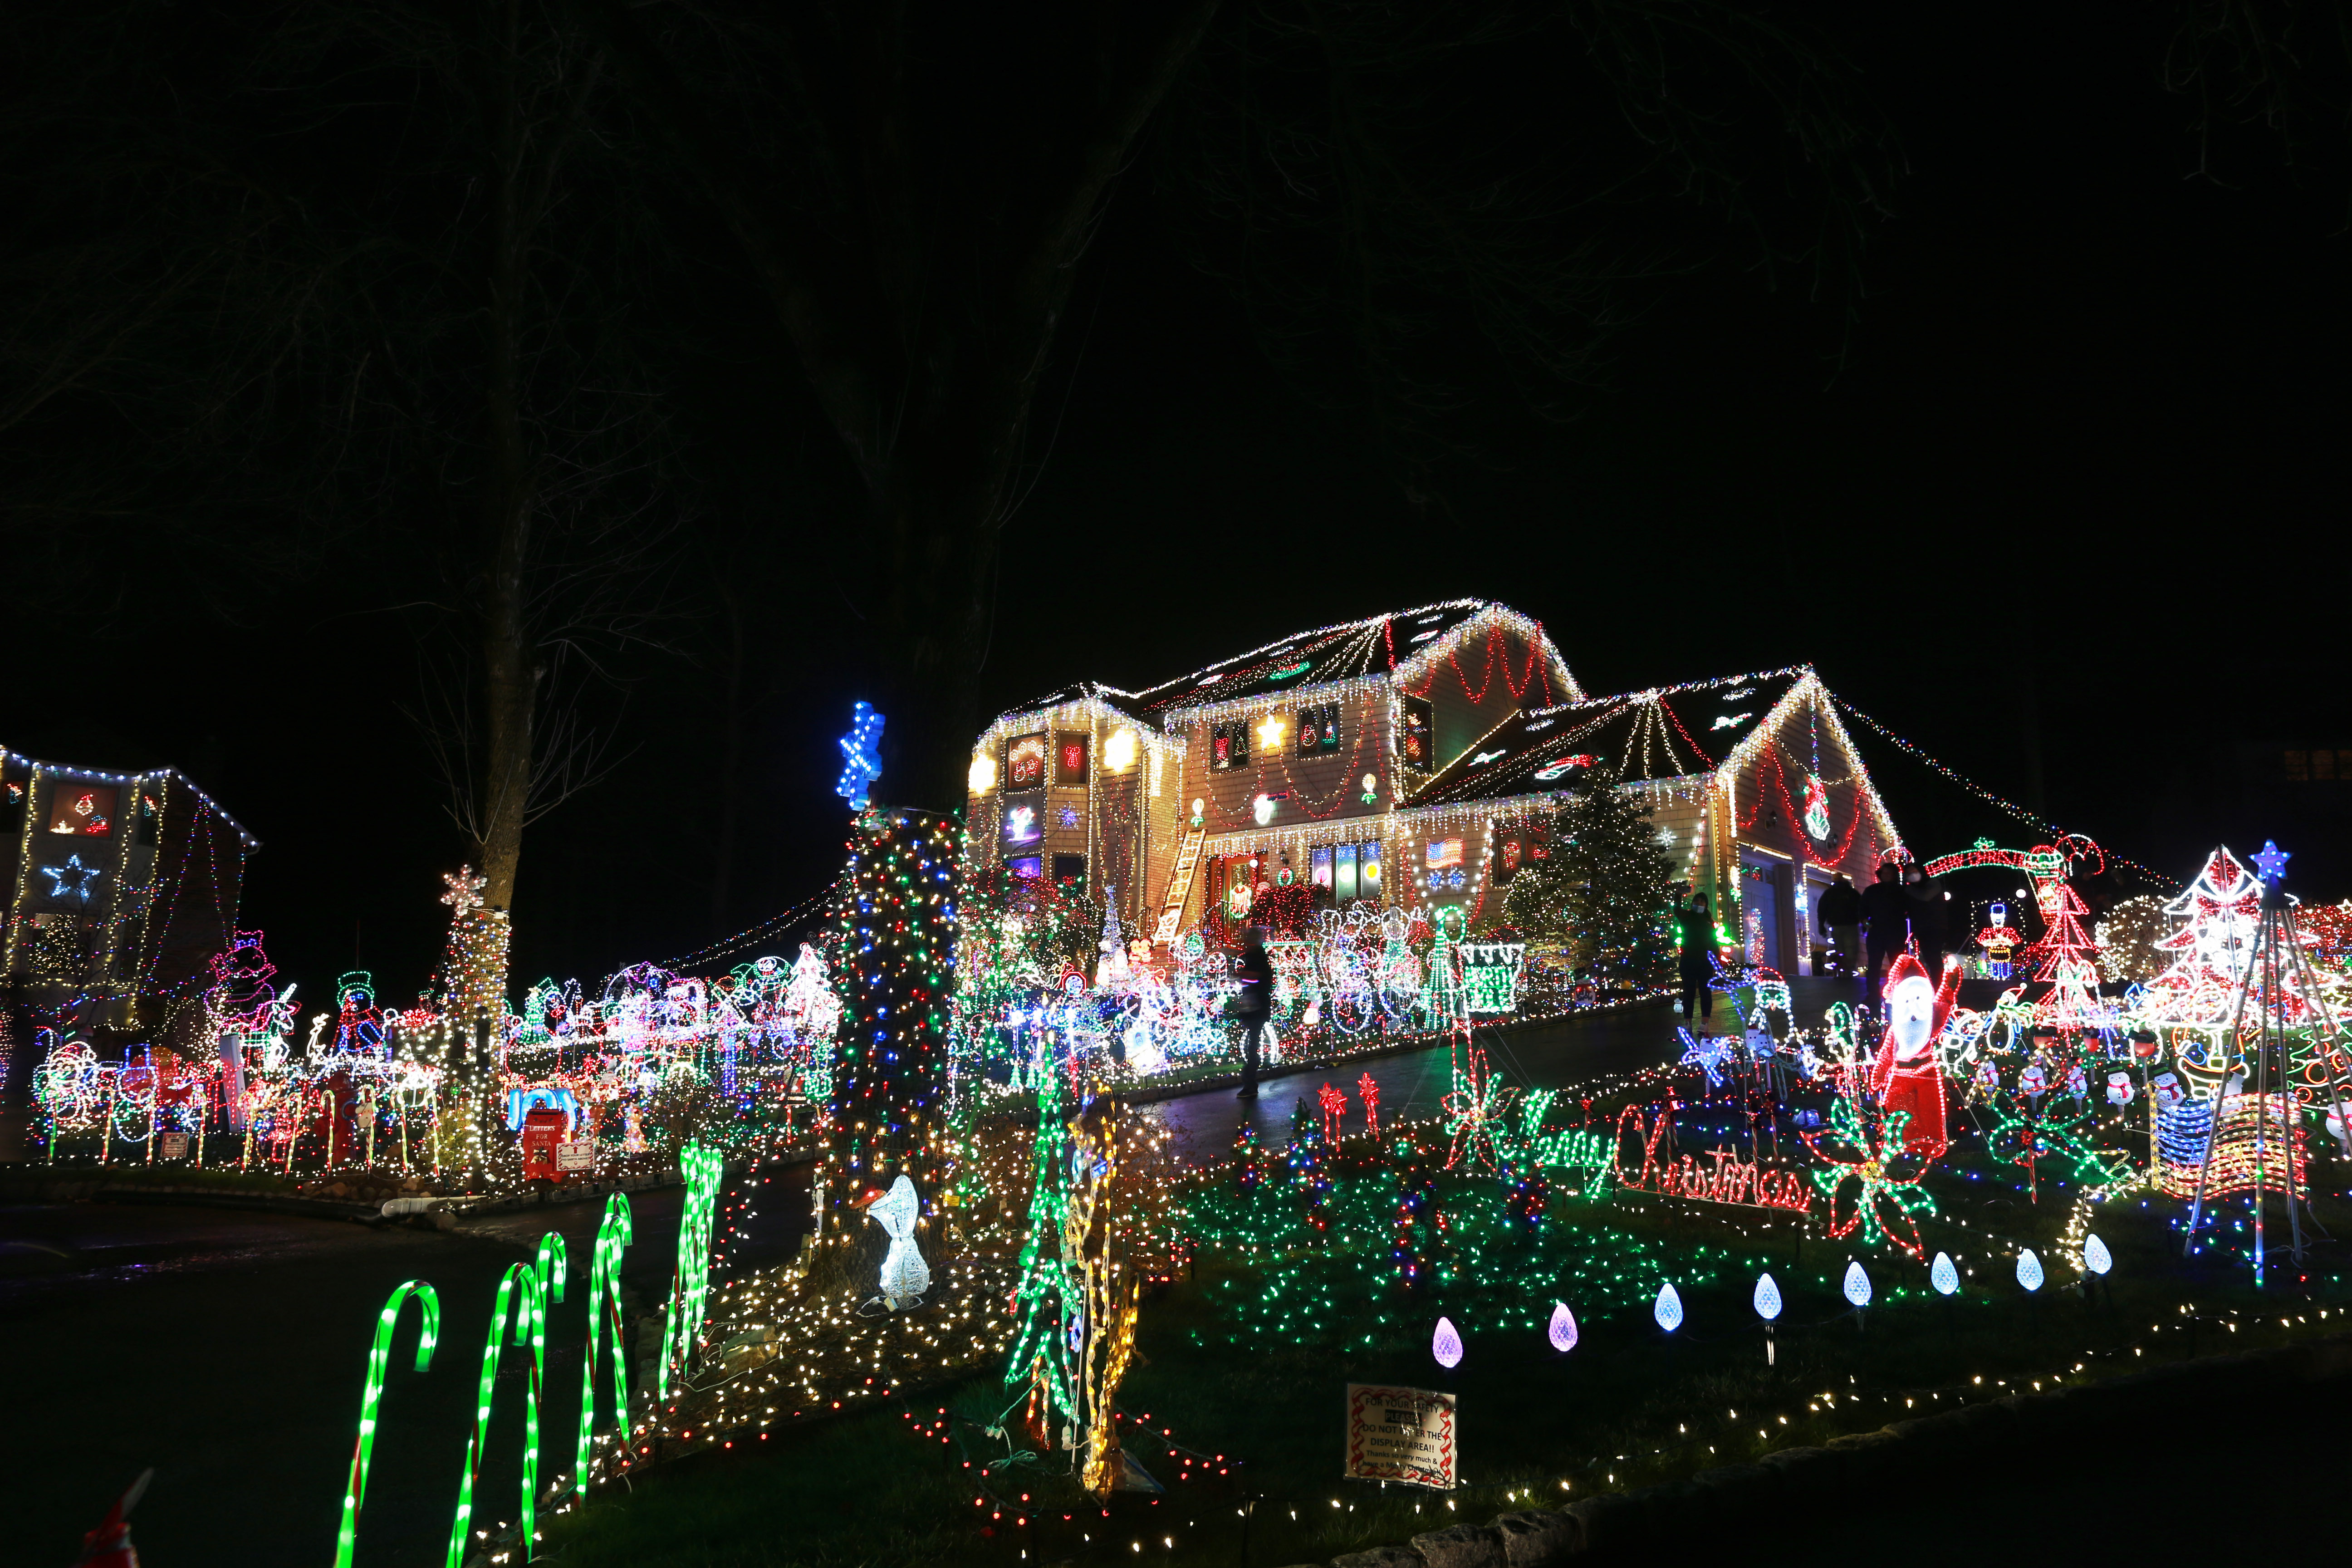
(1413, 1250)
(1602, 887)
(1047, 1302)
(897, 977)
(2066, 957)
(1310, 1163)
(2219, 914)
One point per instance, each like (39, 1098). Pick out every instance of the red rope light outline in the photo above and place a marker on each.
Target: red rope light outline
(1780, 781)
(1538, 668)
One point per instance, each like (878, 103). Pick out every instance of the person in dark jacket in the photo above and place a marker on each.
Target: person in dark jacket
(1695, 928)
(1840, 916)
(1929, 920)
(1255, 970)
(1887, 913)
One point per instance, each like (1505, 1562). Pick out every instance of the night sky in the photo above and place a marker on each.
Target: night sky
(2061, 501)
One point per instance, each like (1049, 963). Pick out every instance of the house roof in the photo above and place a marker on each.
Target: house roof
(1374, 646)
(1665, 733)
(1066, 696)
(103, 775)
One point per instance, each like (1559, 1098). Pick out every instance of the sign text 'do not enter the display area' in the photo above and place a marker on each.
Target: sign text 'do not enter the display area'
(1404, 1435)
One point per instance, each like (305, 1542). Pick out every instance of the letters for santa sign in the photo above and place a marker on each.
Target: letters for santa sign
(1401, 1434)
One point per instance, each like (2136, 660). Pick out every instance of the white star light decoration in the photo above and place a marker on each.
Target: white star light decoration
(73, 871)
(464, 890)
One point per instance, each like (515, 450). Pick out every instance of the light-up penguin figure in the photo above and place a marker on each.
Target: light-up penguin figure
(1909, 1076)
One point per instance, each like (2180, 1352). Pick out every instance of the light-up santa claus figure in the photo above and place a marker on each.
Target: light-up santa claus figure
(1908, 1077)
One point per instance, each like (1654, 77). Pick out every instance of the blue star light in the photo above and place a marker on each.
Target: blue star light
(73, 871)
(2272, 863)
(861, 763)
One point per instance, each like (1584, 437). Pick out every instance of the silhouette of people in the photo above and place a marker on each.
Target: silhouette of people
(1886, 911)
(1694, 928)
(1253, 1005)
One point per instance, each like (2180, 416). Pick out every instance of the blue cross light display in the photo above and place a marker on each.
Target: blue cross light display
(861, 763)
(73, 871)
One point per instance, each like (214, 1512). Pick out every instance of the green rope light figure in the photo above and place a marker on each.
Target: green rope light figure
(1038, 1368)
(428, 1304)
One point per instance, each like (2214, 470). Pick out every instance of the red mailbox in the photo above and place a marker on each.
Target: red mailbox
(543, 1130)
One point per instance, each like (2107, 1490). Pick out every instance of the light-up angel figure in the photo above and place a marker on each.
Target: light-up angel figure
(905, 1276)
(1908, 1077)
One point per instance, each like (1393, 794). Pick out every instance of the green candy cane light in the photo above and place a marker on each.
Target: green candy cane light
(690, 1287)
(519, 1291)
(613, 1234)
(379, 1363)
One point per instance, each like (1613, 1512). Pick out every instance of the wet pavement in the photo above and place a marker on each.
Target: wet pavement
(1553, 1054)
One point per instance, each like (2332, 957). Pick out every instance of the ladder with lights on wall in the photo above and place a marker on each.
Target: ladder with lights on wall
(1180, 886)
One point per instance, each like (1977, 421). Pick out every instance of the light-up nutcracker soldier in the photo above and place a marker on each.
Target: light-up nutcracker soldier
(1909, 1076)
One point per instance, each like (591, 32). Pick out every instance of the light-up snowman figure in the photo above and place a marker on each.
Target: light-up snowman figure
(1908, 1077)
(905, 1275)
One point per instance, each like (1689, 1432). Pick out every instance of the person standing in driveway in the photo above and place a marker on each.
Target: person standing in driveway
(1840, 917)
(1887, 913)
(1929, 920)
(1695, 928)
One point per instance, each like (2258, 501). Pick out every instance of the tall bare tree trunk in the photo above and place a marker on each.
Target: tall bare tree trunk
(510, 673)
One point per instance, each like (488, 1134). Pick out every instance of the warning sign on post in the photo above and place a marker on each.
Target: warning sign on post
(1401, 1434)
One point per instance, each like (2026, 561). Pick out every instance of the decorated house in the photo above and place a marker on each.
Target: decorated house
(1409, 761)
(124, 888)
